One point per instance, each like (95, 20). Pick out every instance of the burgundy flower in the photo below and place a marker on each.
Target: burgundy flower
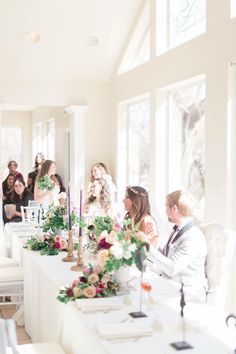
(83, 279)
(104, 244)
(69, 292)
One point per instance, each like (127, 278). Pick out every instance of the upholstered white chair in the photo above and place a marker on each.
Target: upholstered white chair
(38, 348)
(11, 285)
(7, 262)
(221, 245)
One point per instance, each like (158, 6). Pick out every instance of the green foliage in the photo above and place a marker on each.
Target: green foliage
(44, 182)
(57, 218)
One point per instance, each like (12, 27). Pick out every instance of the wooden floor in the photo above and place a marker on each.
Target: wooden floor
(7, 311)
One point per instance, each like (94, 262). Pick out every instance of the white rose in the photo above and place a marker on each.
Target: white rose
(116, 251)
(131, 248)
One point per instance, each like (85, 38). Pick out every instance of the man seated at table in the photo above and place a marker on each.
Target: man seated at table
(183, 257)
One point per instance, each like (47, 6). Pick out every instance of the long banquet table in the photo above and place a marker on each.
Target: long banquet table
(46, 319)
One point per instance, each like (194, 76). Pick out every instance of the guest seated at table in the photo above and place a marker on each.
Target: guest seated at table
(19, 197)
(99, 202)
(39, 160)
(138, 209)
(99, 170)
(183, 258)
(8, 186)
(46, 191)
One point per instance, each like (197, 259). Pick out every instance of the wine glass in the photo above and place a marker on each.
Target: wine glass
(146, 285)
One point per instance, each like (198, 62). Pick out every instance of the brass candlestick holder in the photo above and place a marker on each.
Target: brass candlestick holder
(80, 262)
(70, 256)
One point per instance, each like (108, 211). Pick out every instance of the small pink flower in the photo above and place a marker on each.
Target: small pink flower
(75, 282)
(90, 291)
(86, 270)
(117, 227)
(57, 238)
(97, 269)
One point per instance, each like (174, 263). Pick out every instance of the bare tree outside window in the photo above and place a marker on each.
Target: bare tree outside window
(190, 103)
(139, 144)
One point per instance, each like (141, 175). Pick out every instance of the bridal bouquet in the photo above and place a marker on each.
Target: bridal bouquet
(44, 182)
(114, 244)
(95, 282)
(47, 244)
(57, 218)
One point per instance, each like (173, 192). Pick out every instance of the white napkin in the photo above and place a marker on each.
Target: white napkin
(107, 303)
(124, 330)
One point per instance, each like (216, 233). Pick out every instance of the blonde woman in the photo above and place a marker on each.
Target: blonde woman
(99, 202)
(99, 170)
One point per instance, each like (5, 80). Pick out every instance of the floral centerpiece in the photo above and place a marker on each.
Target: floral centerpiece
(44, 182)
(47, 244)
(57, 218)
(95, 282)
(115, 244)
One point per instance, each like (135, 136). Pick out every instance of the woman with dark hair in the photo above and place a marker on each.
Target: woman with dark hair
(39, 160)
(99, 202)
(45, 190)
(138, 209)
(8, 185)
(20, 196)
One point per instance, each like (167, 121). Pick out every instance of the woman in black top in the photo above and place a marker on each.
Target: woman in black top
(19, 197)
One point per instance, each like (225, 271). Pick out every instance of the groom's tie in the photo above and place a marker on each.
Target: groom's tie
(170, 238)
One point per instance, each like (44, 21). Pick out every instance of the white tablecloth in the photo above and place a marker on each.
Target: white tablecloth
(46, 319)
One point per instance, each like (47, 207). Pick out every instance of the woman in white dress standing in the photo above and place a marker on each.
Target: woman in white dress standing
(46, 191)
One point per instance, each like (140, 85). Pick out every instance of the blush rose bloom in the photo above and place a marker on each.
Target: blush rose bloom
(77, 292)
(90, 291)
(93, 278)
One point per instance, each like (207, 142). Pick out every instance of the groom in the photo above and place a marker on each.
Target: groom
(183, 257)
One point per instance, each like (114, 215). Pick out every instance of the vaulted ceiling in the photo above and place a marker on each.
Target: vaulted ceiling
(64, 27)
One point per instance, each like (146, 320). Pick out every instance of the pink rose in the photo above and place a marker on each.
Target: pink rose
(90, 291)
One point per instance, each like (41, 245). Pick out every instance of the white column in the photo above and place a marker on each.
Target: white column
(231, 149)
(76, 115)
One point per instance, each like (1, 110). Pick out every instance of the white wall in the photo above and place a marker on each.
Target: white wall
(24, 121)
(51, 96)
(211, 54)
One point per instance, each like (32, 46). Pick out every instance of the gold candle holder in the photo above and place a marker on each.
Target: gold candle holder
(80, 262)
(70, 256)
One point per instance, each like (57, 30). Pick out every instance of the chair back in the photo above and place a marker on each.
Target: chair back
(31, 214)
(220, 253)
(32, 203)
